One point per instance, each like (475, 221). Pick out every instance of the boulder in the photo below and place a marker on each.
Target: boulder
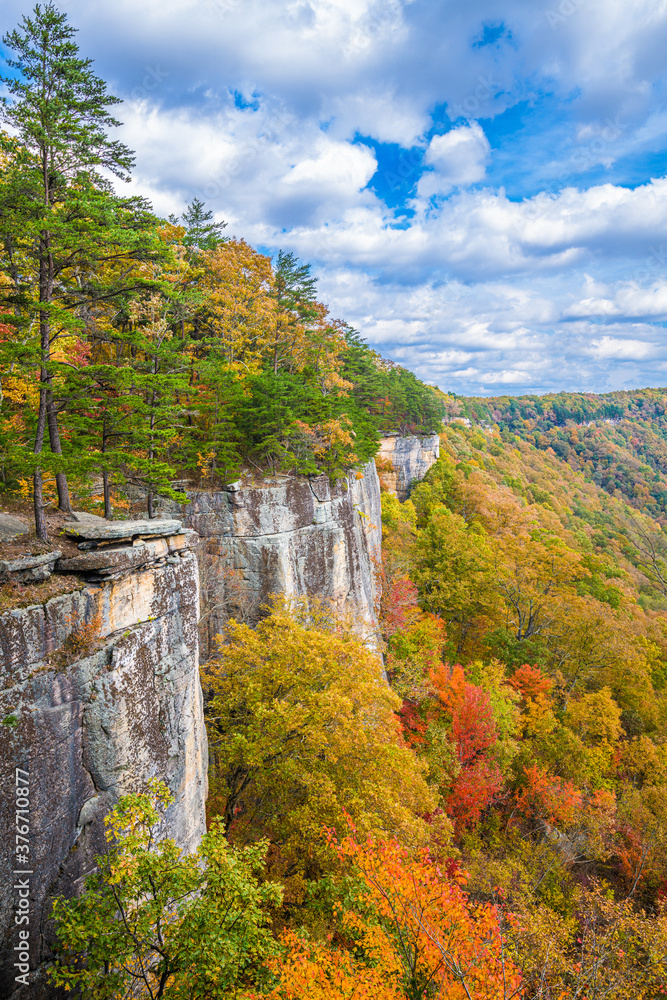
(11, 528)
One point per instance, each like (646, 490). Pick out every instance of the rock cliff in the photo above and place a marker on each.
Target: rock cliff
(100, 693)
(295, 536)
(99, 686)
(410, 458)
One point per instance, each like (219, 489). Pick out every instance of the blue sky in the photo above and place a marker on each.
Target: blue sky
(481, 188)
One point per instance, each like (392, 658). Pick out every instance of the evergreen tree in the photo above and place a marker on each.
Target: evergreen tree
(58, 216)
(294, 295)
(202, 233)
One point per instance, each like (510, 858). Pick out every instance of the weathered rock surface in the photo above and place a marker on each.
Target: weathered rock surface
(302, 537)
(107, 563)
(83, 515)
(411, 458)
(99, 688)
(29, 569)
(11, 528)
(101, 530)
(99, 692)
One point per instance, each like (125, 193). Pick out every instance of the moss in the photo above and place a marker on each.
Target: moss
(17, 595)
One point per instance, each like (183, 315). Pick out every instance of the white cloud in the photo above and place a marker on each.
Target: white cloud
(338, 167)
(484, 289)
(622, 349)
(629, 300)
(378, 112)
(508, 377)
(458, 158)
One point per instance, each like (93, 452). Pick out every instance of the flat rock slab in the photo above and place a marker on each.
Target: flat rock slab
(83, 515)
(106, 561)
(28, 562)
(29, 569)
(113, 530)
(11, 528)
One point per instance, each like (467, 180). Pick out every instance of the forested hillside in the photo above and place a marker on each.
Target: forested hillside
(492, 824)
(618, 439)
(144, 350)
(478, 814)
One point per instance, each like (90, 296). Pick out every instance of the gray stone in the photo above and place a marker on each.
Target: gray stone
(107, 561)
(321, 488)
(11, 528)
(28, 562)
(83, 515)
(110, 562)
(89, 811)
(411, 458)
(29, 569)
(116, 530)
(285, 539)
(94, 725)
(233, 487)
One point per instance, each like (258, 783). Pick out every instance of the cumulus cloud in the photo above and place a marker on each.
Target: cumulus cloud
(284, 119)
(621, 348)
(457, 159)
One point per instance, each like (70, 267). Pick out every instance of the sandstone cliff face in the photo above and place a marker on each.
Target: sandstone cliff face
(100, 688)
(295, 536)
(103, 683)
(411, 458)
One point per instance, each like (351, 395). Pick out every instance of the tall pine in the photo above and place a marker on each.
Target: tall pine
(60, 220)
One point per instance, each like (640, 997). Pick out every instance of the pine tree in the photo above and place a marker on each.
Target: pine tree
(294, 294)
(201, 232)
(56, 206)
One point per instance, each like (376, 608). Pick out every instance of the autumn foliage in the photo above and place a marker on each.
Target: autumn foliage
(411, 931)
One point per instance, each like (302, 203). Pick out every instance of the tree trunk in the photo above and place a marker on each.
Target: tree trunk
(106, 485)
(54, 439)
(38, 492)
(46, 281)
(40, 517)
(150, 505)
(108, 510)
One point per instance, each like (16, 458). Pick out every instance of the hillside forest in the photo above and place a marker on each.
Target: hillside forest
(469, 804)
(142, 351)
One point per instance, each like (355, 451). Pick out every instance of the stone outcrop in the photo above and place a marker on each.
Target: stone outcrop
(99, 686)
(100, 693)
(11, 528)
(410, 459)
(28, 569)
(96, 531)
(296, 536)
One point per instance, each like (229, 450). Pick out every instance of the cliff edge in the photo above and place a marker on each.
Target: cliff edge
(100, 693)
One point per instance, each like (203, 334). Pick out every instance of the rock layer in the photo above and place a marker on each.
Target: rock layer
(100, 693)
(410, 457)
(299, 537)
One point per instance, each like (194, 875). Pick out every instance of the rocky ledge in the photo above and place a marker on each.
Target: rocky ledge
(99, 692)
(410, 458)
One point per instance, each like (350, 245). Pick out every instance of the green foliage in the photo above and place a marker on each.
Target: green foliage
(153, 922)
(619, 439)
(393, 396)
